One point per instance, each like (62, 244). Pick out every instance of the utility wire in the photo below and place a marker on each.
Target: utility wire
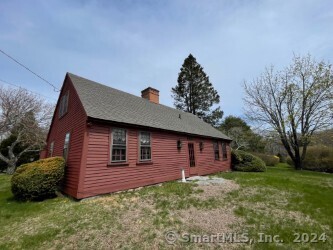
(17, 86)
(40, 77)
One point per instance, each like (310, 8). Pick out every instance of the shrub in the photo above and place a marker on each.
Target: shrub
(246, 162)
(270, 160)
(319, 158)
(282, 158)
(38, 180)
(289, 161)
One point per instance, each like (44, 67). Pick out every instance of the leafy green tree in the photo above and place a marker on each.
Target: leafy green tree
(232, 122)
(195, 94)
(242, 135)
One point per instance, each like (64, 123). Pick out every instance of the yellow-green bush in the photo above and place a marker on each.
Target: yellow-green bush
(270, 160)
(246, 162)
(283, 158)
(319, 158)
(290, 161)
(38, 180)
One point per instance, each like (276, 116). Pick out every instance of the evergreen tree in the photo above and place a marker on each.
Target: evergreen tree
(195, 94)
(233, 122)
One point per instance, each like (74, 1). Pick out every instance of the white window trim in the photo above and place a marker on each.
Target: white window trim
(66, 145)
(51, 149)
(126, 145)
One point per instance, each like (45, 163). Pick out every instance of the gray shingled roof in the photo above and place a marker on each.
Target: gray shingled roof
(106, 103)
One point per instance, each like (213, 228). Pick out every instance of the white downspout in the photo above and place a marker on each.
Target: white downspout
(183, 175)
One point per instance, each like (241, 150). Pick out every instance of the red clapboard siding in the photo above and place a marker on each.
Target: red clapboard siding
(88, 170)
(206, 159)
(74, 121)
(167, 161)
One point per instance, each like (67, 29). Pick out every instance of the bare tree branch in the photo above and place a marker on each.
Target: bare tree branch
(295, 102)
(25, 116)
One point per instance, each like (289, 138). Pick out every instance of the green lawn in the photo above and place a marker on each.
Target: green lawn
(281, 202)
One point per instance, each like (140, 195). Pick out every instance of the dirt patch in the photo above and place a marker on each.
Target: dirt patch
(135, 215)
(220, 221)
(105, 201)
(136, 220)
(211, 221)
(131, 219)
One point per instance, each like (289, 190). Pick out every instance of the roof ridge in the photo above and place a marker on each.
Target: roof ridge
(103, 85)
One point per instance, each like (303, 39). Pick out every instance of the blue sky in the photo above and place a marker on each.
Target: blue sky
(130, 45)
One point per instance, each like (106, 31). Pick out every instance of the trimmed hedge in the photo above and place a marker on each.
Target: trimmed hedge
(270, 160)
(38, 180)
(246, 162)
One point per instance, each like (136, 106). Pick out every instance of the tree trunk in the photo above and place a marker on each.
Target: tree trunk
(11, 168)
(298, 163)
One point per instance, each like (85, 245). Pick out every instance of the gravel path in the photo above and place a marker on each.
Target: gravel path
(204, 180)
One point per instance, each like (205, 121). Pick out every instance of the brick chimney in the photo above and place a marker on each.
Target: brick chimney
(151, 94)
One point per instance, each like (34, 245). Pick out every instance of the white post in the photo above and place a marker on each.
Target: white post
(183, 175)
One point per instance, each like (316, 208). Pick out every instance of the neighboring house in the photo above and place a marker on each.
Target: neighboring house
(115, 141)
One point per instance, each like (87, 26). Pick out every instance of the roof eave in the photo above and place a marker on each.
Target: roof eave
(90, 119)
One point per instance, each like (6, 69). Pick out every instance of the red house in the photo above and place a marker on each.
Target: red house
(115, 141)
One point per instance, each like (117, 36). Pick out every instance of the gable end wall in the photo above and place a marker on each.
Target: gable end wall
(74, 121)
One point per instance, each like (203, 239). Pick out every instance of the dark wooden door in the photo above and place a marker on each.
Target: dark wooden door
(191, 158)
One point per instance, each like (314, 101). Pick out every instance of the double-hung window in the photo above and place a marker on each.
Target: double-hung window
(145, 146)
(66, 146)
(51, 149)
(119, 144)
(216, 150)
(63, 105)
(224, 151)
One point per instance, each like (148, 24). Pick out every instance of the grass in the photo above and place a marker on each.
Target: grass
(285, 202)
(280, 201)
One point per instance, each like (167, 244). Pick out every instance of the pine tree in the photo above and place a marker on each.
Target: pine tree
(195, 94)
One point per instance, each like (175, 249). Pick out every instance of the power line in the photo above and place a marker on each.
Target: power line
(40, 77)
(17, 86)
